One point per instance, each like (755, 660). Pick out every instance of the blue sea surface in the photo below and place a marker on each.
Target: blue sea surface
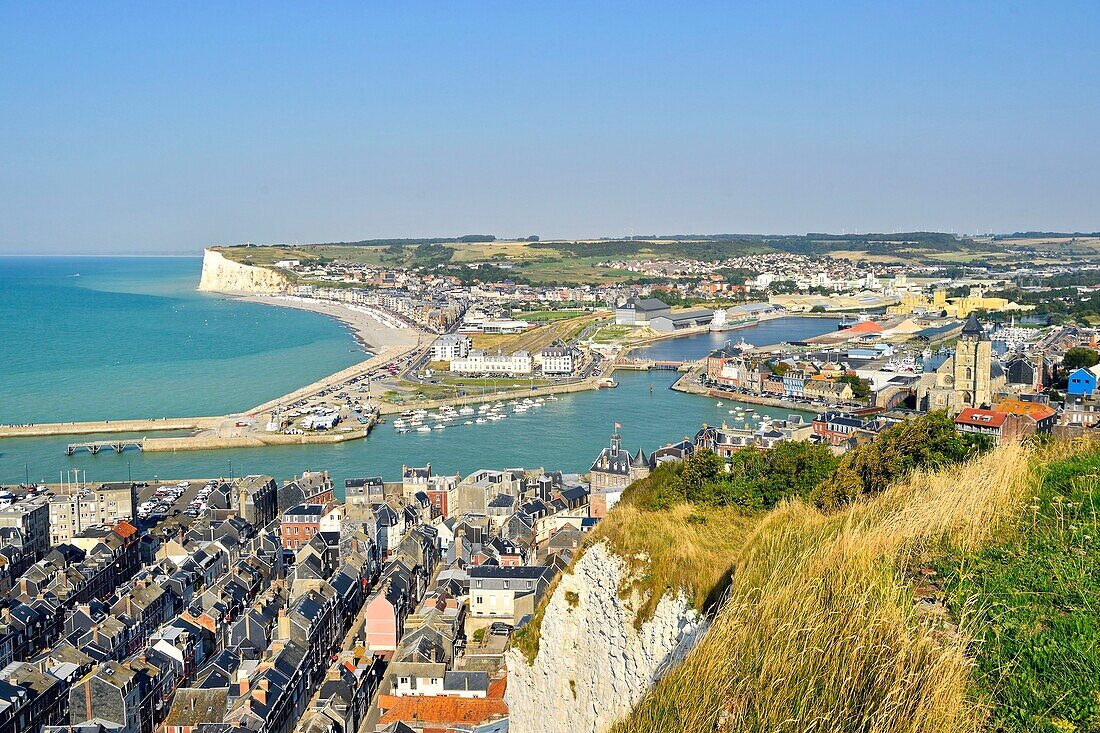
(132, 338)
(88, 338)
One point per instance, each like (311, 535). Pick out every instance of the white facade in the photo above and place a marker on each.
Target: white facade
(556, 360)
(479, 362)
(450, 347)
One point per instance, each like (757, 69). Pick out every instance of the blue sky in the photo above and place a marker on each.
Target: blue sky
(164, 127)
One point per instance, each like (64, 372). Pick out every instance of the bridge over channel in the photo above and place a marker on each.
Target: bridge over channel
(645, 365)
(94, 446)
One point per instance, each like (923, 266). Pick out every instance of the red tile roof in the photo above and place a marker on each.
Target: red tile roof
(981, 418)
(125, 530)
(1035, 410)
(440, 709)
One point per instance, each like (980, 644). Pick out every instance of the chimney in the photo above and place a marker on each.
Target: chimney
(242, 684)
(284, 624)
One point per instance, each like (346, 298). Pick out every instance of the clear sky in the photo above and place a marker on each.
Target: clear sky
(167, 126)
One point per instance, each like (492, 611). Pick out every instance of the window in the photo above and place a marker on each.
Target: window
(479, 584)
(479, 599)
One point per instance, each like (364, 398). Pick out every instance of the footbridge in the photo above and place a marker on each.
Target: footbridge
(94, 446)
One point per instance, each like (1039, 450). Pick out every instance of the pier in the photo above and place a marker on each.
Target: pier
(94, 446)
(646, 365)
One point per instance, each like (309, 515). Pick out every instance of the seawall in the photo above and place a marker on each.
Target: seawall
(38, 430)
(221, 274)
(252, 440)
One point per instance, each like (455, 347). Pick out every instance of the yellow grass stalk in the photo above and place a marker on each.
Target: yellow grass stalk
(820, 631)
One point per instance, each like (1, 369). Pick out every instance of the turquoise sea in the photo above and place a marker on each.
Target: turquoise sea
(130, 337)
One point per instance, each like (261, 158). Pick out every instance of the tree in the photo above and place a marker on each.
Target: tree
(929, 441)
(817, 309)
(1080, 356)
(860, 388)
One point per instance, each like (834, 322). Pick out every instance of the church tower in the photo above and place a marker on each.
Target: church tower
(973, 359)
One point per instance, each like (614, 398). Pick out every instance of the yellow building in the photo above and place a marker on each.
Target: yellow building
(957, 307)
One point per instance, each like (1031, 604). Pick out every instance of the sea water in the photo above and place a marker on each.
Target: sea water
(253, 353)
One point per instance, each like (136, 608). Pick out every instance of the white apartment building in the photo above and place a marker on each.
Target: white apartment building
(451, 346)
(479, 362)
(556, 360)
(76, 508)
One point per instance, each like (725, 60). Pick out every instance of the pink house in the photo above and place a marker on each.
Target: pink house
(385, 618)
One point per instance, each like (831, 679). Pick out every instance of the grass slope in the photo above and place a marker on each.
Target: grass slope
(1032, 604)
(820, 630)
(685, 547)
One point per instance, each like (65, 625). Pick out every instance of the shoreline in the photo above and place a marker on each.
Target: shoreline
(368, 331)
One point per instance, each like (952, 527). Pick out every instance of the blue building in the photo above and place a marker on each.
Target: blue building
(1082, 381)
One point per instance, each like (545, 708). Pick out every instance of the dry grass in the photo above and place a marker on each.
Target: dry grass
(689, 548)
(535, 338)
(820, 631)
(685, 547)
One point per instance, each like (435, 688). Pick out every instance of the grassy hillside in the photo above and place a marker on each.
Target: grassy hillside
(820, 631)
(1032, 604)
(837, 622)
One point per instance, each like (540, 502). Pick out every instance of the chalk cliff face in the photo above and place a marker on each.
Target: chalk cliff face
(225, 275)
(593, 665)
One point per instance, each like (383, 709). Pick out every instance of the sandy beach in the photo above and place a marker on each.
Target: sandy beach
(369, 330)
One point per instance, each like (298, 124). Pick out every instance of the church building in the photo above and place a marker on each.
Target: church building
(970, 378)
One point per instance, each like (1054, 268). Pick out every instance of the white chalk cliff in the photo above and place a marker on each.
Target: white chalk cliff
(224, 275)
(593, 665)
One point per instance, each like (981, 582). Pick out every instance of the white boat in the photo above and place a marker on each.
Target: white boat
(468, 422)
(551, 398)
(439, 427)
(480, 421)
(718, 404)
(497, 417)
(423, 429)
(466, 411)
(402, 430)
